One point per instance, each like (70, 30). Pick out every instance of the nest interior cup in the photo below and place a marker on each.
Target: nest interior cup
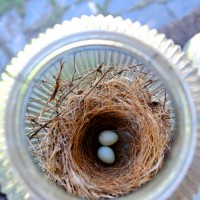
(96, 40)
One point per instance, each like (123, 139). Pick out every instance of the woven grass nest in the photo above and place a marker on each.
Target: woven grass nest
(95, 100)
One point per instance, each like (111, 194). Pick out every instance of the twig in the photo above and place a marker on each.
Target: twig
(38, 130)
(57, 82)
(126, 69)
(108, 70)
(33, 133)
(74, 68)
(62, 98)
(99, 68)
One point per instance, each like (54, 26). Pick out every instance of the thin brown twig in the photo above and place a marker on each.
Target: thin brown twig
(84, 77)
(57, 84)
(100, 79)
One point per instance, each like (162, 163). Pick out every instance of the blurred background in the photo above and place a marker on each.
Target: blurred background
(22, 20)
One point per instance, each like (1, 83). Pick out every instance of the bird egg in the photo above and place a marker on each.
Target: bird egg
(108, 138)
(106, 155)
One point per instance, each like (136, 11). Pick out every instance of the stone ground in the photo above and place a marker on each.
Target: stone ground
(22, 20)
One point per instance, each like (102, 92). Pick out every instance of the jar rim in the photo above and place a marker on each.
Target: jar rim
(18, 91)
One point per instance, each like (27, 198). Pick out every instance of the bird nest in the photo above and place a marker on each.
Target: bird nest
(64, 137)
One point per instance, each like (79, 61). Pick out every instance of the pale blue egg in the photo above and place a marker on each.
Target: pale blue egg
(106, 155)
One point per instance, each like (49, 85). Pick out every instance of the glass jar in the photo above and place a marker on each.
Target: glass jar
(21, 179)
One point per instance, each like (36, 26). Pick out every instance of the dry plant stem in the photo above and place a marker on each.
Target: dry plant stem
(101, 99)
(100, 79)
(57, 85)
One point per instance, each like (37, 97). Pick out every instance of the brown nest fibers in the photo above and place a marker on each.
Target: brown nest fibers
(65, 134)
